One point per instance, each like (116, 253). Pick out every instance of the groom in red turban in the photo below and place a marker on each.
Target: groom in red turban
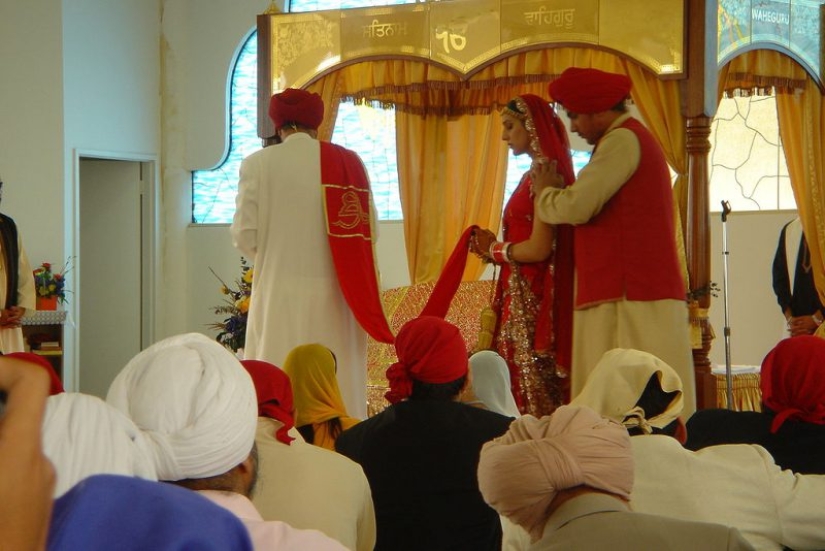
(630, 292)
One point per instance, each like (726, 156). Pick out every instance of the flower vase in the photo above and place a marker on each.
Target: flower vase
(47, 303)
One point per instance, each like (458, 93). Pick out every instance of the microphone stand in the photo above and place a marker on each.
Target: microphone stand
(725, 253)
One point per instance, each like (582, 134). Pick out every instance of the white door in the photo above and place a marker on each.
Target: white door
(109, 270)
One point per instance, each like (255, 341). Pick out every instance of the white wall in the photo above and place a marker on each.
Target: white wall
(31, 124)
(199, 39)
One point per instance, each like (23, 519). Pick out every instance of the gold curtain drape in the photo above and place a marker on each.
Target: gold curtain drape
(801, 120)
(799, 105)
(451, 175)
(437, 111)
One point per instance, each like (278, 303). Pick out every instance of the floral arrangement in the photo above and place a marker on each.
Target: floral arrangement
(50, 284)
(232, 330)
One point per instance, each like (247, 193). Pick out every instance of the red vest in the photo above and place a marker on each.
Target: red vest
(628, 250)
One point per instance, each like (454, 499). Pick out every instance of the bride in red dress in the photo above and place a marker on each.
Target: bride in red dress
(534, 291)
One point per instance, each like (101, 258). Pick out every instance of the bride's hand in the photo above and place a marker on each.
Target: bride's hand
(481, 241)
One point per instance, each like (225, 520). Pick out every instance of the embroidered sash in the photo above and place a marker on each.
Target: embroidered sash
(347, 203)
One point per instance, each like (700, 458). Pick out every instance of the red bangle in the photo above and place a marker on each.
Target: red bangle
(500, 251)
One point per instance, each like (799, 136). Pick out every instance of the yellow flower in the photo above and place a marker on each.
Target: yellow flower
(247, 277)
(242, 305)
(224, 290)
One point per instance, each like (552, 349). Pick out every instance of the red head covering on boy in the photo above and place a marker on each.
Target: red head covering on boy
(793, 380)
(430, 350)
(298, 106)
(587, 91)
(55, 384)
(274, 393)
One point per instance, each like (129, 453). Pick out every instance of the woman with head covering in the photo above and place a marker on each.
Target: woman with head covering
(792, 424)
(301, 484)
(320, 412)
(534, 290)
(490, 379)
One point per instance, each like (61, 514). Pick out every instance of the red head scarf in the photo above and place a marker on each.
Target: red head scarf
(55, 384)
(793, 380)
(430, 350)
(274, 395)
(298, 106)
(589, 90)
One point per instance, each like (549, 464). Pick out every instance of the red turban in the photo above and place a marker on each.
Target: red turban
(274, 395)
(793, 380)
(430, 350)
(55, 384)
(589, 90)
(298, 106)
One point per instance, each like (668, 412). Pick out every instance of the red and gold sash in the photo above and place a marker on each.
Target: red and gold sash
(347, 206)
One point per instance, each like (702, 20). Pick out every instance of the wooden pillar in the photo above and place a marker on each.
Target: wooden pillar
(699, 105)
(698, 253)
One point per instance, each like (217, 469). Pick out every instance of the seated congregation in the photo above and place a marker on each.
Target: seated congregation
(200, 450)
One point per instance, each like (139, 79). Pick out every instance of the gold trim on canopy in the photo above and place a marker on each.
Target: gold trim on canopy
(464, 35)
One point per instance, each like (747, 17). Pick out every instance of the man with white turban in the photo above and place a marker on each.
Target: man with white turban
(566, 479)
(197, 406)
(737, 485)
(85, 436)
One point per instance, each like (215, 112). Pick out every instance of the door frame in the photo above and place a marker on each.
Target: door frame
(150, 179)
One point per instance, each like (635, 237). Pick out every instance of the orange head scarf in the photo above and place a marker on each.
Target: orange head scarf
(793, 380)
(311, 370)
(274, 395)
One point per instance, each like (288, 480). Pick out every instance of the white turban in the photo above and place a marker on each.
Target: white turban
(617, 382)
(84, 436)
(520, 473)
(194, 401)
(491, 383)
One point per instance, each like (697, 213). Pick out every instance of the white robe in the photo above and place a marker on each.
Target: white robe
(11, 339)
(280, 226)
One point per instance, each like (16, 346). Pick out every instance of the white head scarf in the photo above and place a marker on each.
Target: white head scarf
(617, 382)
(521, 472)
(84, 436)
(194, 401)
(491, 383)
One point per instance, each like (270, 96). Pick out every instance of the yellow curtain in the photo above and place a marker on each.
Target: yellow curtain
(799, 105)
(329, 88)
(451, 175)
(801, 122)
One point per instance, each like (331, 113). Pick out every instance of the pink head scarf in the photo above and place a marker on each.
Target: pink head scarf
(520, 473)
(274, 396)
(793, 380)
(429, 350)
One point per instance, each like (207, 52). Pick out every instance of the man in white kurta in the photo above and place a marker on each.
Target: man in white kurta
(11, 336)
(280, 225)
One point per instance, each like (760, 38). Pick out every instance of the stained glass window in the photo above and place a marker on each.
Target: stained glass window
(747, 162)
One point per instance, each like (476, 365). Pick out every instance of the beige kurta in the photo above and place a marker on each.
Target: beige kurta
(312, 488)
(739, 485)
(11, 339)
(660, 327)
(280, 226)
